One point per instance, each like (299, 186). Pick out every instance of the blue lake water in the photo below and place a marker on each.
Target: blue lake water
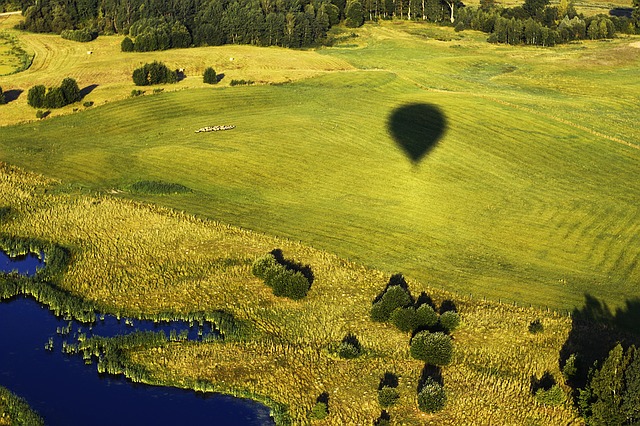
(65, 391)
(24, 265)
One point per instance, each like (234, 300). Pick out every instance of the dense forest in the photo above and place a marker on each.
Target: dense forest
(159, 24)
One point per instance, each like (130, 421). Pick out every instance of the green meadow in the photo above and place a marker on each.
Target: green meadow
(529, 194)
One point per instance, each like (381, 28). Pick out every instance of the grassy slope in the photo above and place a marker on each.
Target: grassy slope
(149, 259)
(529, 196)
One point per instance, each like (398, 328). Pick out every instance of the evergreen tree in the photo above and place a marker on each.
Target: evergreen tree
(612, 395)
(210, 77)
(354, 14)
(54, 98)
(433, 348)
(127, 45)
(394, 297)
(432, 396)
(35, 96)
(70, 91)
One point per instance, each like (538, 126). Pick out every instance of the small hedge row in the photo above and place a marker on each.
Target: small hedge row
(83, 35)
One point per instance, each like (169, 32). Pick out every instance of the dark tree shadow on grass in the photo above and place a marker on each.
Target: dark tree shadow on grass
(389, 380)
(219, 77)
(430, 371)
(417, 129)
(293, 266)
(545, 382)
(395, 279)
(12, 95)
(448, 306)
(595, 330)
(86, 90)
(384, 419)
(425, 299)
(324, 398)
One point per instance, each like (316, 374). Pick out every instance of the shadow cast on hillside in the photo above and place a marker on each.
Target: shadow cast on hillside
(88, 89)
(417, 129)
(595, 330)
(12, 95)
(293, 266)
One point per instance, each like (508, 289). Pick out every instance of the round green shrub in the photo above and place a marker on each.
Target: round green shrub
(553, 396)
(388, 396)
(394, 297)
(431, 397)
(35, 96)
(450, 320)
(210, 76)
(291, 284)
(319, 411)
(70, 91)
(379, 313)
(433, 348)
(349, 347)
(405, 319)
(127, 45)
(426, 316)
(348, 351)
(263, 265)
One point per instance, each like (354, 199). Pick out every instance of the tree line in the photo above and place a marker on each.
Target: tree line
(158, 25)
(536, 22)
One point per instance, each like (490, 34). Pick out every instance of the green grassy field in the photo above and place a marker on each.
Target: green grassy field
(529, 196)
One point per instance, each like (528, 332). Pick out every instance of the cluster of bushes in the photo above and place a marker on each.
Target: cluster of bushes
(154, 73)
(285, 280)
(396, 305)
(54, 97)
(82, 35)
(431, 341)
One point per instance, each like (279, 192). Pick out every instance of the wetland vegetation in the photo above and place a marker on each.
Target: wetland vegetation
(500, 180)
